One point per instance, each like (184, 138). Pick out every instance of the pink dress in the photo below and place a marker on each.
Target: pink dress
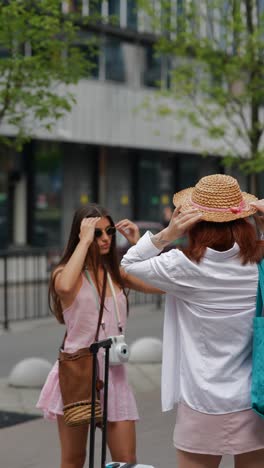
(81, 322)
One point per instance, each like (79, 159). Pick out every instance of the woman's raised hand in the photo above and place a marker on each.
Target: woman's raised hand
(259, 218)
(259, 204)
(129, 230)
(87, 229)
(180, 223)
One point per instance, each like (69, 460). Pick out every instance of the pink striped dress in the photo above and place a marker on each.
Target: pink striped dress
(81, 321)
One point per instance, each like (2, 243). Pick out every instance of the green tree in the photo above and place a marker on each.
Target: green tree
(216, 53)
(39, 58)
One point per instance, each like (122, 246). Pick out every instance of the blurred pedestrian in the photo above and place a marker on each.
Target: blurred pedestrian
(76, 291)
(211, 288)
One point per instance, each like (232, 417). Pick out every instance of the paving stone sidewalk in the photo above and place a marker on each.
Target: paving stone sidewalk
(34, 444)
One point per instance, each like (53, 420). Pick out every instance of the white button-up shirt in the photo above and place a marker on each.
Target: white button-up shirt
(207, 337)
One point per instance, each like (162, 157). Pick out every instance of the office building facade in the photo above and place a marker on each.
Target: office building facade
(109, 148)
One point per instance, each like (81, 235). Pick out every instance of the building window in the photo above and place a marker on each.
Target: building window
(149, 188)
(152, 68)
(180, 16)
(225, 13)
(114, 60)
(95, 7)
(132, 14)
(3, 209)
(89, 46)
(4, 53)
(47, 195)
(11, 164)
(260, 13)
(114, 10)
(192, 167)
(74, 6)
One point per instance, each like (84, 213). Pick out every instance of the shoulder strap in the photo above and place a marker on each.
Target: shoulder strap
(101, 305)
(116, 306)
(260, 291)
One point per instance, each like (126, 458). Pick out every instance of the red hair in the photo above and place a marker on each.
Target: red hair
(222, 236)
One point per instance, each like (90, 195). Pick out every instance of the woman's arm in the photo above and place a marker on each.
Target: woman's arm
(136, 284)
(66, 280)
(143, 259)
(179, 224)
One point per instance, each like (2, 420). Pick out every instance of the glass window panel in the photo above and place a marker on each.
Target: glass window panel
(260, 7)
(132, 14)
(180, 15)
(4, 53)
(114, 8)
(260, 185)
(3, 210)
(47, 195)
(10, 167)
(189, 171)
(114, 60)
(223, 24)
(210, 23)
(92, 56)
(95, 7)
(74, 6)
(193, 167)
(89, 46)
(166, 16)
(152, 68)
(149, 189)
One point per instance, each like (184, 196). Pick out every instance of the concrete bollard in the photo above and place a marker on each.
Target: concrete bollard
(146, 350)
(30, 372)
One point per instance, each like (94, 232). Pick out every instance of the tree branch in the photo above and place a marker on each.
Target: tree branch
(207, 124)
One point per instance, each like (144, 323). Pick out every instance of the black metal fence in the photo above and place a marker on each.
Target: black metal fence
(24, 277)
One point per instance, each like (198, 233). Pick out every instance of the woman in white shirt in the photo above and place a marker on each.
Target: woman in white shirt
(210, 303)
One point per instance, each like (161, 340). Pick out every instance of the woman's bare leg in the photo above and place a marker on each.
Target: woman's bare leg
(73, 442)
(121, 439)
(250, 459)
(197, 460)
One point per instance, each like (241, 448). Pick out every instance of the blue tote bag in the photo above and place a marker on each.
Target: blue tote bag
(257, 388)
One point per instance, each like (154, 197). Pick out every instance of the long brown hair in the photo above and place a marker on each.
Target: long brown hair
(221, 237)
(109, 261)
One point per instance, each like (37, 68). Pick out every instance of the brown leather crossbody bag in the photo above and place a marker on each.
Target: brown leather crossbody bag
(75, 378)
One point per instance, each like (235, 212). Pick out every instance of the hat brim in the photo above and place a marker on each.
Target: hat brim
(183, 199)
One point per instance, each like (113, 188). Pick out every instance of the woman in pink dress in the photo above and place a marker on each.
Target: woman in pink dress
(75, 292)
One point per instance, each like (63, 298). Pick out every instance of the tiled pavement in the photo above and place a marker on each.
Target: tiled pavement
(34, 444)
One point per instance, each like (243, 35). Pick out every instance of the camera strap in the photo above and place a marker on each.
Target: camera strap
(116, 306)
(117, 310)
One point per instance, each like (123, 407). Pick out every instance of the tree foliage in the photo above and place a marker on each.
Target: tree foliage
(39, 58)
(216, 54)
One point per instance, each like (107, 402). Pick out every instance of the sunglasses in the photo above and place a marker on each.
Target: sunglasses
(110, 231)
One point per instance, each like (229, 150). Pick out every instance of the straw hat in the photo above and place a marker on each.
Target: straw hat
(218, 197)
